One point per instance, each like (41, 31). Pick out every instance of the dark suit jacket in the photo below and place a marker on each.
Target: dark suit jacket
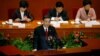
(39, 40)
(17, 14)
(63, 14)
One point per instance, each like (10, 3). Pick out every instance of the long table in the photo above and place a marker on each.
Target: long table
(64, 29)
(92, 48)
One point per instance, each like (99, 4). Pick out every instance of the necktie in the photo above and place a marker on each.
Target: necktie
(46, 32)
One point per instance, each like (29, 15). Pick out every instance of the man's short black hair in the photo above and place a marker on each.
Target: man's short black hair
(59, 4)
(86, 2)
(46, 16)
(24, 4)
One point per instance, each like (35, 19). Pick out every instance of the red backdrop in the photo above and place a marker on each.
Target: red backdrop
(36, 6)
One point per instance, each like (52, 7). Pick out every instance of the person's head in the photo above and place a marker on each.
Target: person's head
(23, 5)
(87, 4)
(46, 21)
(59, 7)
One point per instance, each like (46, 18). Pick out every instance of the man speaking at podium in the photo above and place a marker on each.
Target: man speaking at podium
(45, 36)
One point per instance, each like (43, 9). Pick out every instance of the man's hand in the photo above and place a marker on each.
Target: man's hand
(57, 19)
(28, 20)
(63, 47)
(17, 20)
(88, 19)
(34, 50)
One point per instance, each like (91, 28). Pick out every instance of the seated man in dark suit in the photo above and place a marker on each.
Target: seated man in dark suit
(58, 13)
(45, 36)
(22, 14)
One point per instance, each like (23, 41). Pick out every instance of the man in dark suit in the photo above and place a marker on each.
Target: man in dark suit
(45, 36)
(22, 14)
(58, 13)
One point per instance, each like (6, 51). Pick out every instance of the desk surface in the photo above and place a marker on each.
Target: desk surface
(92, 45)
(33, 24)
(65, 29)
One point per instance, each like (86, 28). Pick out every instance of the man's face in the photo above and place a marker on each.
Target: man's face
(46, 22)
(59, 9)
(87, 7)
(23, 9)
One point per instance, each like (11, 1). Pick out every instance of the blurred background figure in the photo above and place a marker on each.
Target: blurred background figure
(22, 14)
(58, 12)
(86, 12)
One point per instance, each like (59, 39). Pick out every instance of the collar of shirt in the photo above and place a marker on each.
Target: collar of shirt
(45, 28)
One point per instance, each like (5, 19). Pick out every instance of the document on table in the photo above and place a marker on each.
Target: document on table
(20, 25)
(95, 22)
(90, 23)
(64, 22)
(55, 24)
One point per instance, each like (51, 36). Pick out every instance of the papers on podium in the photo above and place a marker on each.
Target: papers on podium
(90, 23)
(20, 25)
(57, 23)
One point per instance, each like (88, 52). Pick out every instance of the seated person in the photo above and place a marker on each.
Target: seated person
(44, 35)
(58, 12)
(22, 14)
(86, 12)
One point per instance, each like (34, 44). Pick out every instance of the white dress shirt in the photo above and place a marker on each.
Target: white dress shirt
(22, 15)
(45, 28)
